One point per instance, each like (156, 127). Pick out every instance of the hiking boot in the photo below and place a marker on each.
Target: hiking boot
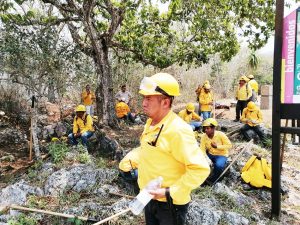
(236, 120)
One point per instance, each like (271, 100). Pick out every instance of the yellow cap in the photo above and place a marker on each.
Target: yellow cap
(250, 76)
(244, 78)
(160, 84)
(251, 106)
(210, 122)
(207, 86)
(80, 108)
(190, 107)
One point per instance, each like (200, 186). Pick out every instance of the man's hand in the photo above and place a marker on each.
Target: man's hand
(158, 193)
(213, 144)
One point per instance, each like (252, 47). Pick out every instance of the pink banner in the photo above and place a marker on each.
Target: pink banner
(288, 56)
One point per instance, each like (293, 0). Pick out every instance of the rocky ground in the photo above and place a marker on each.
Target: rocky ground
(76, 182)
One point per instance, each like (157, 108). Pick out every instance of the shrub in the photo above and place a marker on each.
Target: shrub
(58, 151)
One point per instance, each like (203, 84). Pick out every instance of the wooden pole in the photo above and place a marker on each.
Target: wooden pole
(30, 141)
(113, 216)
(50, 213)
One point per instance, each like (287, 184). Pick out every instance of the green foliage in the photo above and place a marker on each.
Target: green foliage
(34, 201)
(23, 220)
(58, 151)
(75, 221)
(83, 156)
(33, 170)
(69, 198)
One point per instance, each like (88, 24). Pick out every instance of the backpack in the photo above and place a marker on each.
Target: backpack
(257, 172)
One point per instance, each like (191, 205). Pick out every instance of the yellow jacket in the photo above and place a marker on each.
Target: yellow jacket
(221, 140)
(122, 109)
(254, 85)
(188, 117)
(130, 161)
(244, 93)
(176, 157)
(205, 99)
(87, 99)
(252, 118)
(81, 125)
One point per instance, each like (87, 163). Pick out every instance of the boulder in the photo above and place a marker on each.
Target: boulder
(79, 178)
(232, 218)
(18, 192)
(199, 214)
(11, 136)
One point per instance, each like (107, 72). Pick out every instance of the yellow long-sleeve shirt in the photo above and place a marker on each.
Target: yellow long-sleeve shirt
(220, 139)
(206, 99)
(176, 157)
(130, 161)
(252, 118)
(122, 109)
(188, 117)
(81, 125)
(254, 85)
(244, 93)
(88, 99)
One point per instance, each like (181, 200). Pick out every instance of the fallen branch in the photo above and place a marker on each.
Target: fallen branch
(121, 195)
(113, 216)
(52, 213)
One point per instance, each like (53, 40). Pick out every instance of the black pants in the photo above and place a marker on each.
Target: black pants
(257, 130)
(159, 213)
(240, 105)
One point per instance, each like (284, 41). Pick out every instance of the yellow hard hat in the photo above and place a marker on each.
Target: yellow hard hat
(80, 108)
(244, 78)
(190, 107)
(210, 122)
(159, 84)
(206, 82)
(250, 76)
(251, 106)
(207, 86)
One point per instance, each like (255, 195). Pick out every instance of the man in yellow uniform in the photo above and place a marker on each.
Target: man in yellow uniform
(189, 116)
(254, 86)
(82, 126)
(198, 92)
(88, 97)
(243, 95)
(123, 111)
(216, 145)
(168, 149)
(206, 102)
(252, 117)
(129, 165)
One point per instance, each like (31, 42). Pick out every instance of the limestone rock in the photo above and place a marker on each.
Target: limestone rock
(17, 193)
(199, 214)
(232, 218)
(79, 178)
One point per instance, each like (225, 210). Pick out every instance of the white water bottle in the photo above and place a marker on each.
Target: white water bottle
(142, 199)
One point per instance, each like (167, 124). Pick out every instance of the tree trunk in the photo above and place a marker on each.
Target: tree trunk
(104, 90)
(51, 90)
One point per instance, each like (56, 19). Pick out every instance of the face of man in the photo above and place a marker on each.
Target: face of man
(209, 131)
(79, 114)
(242, 82)
(153, 105)
(87, 88)
(123, 88)
(188, 112)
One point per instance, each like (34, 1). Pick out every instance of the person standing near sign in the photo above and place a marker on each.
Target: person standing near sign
(168, 150)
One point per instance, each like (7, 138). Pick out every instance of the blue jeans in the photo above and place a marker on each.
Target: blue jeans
(195, 125)
(84, 138)
(206, 115)
(219, 162)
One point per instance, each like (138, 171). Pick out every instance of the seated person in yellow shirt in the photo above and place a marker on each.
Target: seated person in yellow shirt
(82, 126)
(129, 166)
(216, 145)
(252, 118)
(189, 116)
(123, 111)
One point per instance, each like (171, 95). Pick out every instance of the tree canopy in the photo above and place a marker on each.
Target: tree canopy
(136, 30)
